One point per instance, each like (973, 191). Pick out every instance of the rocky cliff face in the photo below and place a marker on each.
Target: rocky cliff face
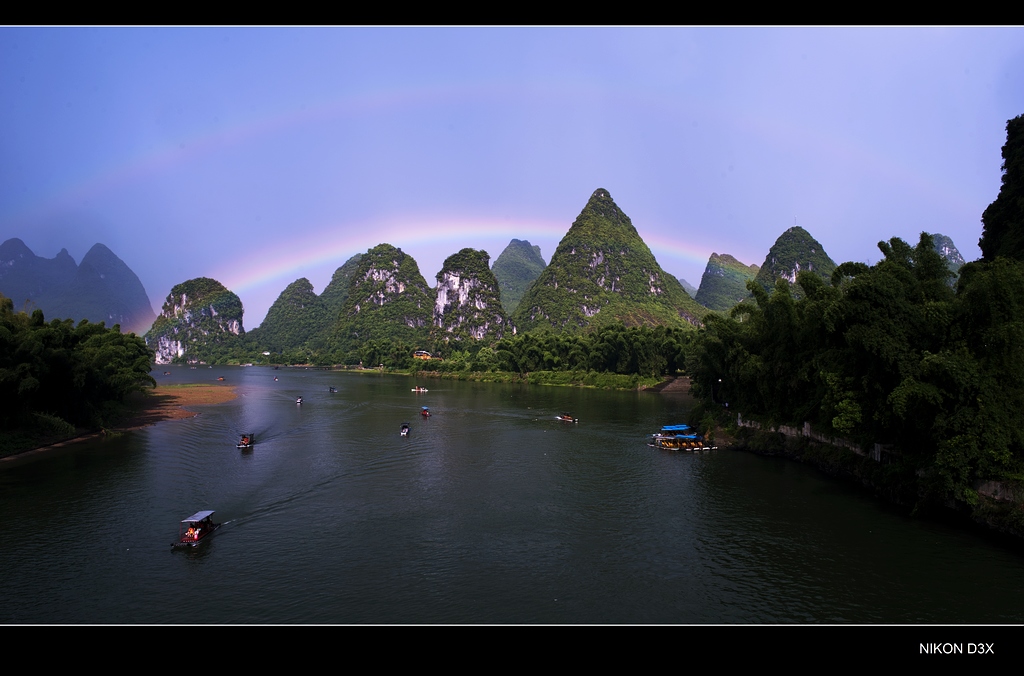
(198, 316)
(468, 303)
(387, 298)
(793, 251)
(602, 273)
(724, 282)
(101, 289)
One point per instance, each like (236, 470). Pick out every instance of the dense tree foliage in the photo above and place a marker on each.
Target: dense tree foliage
(611, 349)
(65, 374)
(887, 353)
(1003, 231)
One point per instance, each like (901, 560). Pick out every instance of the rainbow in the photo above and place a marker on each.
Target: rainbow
(210, 138)
(336, 244)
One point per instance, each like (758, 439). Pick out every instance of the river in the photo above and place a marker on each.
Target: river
(491, 511)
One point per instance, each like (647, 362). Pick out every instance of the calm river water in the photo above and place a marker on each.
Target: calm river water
(491, 511)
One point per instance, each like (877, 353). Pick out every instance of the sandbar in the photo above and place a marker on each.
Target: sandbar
(164, 402)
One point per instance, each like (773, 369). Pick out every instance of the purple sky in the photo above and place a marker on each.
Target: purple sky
(258, 156)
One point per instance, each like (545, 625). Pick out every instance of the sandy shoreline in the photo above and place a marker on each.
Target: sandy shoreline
(172, 402)
(165, 402)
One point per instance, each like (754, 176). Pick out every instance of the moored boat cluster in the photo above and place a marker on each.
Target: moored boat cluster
(679, 438)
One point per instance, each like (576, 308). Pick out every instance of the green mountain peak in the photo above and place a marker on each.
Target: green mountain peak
(292, 320)
(199, 317)
(603, 273)
(516, 269)
(944, 245)
(387, 298)
(793, 251)
(724, 282)
(468, 301)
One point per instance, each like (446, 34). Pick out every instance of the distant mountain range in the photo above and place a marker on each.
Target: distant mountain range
(601, 273)
(100, 289)
(725, 278)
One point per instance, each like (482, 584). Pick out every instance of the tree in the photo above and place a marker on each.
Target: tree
(1003, 231)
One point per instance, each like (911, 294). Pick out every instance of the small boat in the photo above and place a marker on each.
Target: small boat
(565, 417)
(425, 412)
(298, 400)
(247, 441)
(419, 389)
(221, 379)
(671, 438)
(405, 429)
(195, 529)
(332, 390)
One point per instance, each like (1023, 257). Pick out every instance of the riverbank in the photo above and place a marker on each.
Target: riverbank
(174, 402)
(165, 402)
(998, 509)
(588, 379)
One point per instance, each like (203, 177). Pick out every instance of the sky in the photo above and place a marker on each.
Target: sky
(257, 156)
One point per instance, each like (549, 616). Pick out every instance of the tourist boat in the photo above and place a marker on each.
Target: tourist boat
(673, 438)
(419, 389)
(195, 529)
(247, 441)
(405, 429)
(565, 417)
(425, 412)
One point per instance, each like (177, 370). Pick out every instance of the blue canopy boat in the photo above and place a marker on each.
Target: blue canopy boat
(670, 438)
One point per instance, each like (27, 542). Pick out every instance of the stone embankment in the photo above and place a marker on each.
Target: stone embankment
(999, 507)
(672, 385)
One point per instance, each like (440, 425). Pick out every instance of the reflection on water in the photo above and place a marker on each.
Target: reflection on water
(490, 511)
